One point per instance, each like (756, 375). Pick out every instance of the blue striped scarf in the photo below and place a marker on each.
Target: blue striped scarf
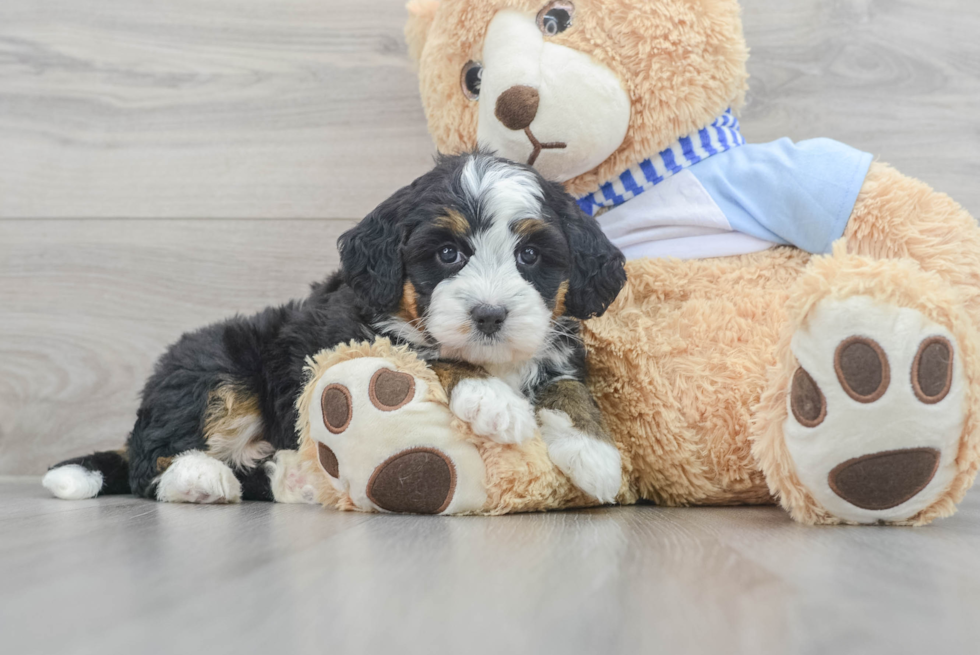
(720, 136)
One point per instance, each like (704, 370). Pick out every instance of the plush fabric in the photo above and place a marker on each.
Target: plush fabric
(845, 386)
(682, 63)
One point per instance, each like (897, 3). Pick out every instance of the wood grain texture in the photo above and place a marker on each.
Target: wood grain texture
(173, 116)
(899, 79)
(303, 108)
(119, 575)
(88, 306)
(205, 108)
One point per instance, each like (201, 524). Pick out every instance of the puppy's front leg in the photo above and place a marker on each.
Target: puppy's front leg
(491, 407)
(577, 439)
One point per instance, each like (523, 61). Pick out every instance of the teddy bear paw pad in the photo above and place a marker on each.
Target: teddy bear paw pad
(418, 481)
(385, 443)
(877, 409)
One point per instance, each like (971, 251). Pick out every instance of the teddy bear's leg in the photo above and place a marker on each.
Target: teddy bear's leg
(900, 217)
(871, 414)
(376, 425)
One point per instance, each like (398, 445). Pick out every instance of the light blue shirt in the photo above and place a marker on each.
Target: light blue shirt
(800, 194)
(746, 199)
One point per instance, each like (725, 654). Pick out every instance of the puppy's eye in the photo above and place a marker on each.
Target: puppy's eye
(450, 255)
(528, 256)
(471, 79)
(556, 17)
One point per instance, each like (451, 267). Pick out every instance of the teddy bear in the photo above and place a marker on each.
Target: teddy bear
(799, 324)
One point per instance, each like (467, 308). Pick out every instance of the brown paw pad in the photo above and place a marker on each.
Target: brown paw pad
(862, 369)
(932, 370)
(417, 481)
(389, 390)
(884, 480)
(328, 460)
(806, 399)
(337, 408)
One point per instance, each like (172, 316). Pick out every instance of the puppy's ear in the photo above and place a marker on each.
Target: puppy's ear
(370, 253)
(421, 15)
(598, 270)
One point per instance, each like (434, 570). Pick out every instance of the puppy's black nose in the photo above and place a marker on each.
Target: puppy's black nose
(489, 318)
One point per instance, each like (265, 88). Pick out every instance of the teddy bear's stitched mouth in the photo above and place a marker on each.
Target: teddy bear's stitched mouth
(538, 146)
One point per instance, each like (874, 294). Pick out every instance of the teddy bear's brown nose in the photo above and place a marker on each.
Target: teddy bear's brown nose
(517, 107)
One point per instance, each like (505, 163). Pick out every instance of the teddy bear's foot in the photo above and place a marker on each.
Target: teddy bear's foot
(877, 409)
(877, 417)
(385, 442)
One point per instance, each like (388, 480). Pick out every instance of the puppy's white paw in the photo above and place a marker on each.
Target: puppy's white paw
(594, 466)
(493, 410)
(290, 479)
(193, 477)
(73, 482)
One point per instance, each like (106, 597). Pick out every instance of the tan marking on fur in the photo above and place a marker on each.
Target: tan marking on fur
(233, 427)
(573, 399)
(452, 373)
(163, 463)
(409, 308)
(559, 310)
(454, 222)
(525, 227)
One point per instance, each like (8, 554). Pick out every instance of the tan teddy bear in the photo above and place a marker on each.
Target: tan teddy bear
(839, 378)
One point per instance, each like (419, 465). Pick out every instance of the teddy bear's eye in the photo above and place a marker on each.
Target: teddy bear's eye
(556, 17)
(471, 78)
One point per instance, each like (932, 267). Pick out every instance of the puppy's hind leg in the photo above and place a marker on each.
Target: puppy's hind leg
(577, 440)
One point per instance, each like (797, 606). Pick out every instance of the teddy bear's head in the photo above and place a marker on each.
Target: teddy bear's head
(582, 89)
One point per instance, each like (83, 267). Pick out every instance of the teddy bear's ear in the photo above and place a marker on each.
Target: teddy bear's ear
(421, 14)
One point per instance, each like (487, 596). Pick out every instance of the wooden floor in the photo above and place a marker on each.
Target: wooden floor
(121, 576)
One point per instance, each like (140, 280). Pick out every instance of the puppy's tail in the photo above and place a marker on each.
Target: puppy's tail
(93, 475)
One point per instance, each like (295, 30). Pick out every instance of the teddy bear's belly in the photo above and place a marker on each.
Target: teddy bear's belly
(678, 364)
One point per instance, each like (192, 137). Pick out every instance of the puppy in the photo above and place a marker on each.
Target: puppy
(481, 266)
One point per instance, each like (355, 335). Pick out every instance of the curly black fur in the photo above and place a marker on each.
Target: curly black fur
(264, 355)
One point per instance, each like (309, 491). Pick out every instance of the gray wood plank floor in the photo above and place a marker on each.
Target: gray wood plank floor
(119, 575)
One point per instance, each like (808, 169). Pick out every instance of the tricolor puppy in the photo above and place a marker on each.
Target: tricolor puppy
(481, 266)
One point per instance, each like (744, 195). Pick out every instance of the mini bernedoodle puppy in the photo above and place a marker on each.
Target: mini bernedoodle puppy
(481, 266)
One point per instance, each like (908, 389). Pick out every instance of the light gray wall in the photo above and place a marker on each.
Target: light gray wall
(166, 164)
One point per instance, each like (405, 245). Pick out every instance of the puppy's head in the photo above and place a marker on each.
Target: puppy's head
(478, 258)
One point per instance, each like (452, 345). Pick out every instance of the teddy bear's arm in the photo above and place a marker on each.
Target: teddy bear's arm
(578, 442)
